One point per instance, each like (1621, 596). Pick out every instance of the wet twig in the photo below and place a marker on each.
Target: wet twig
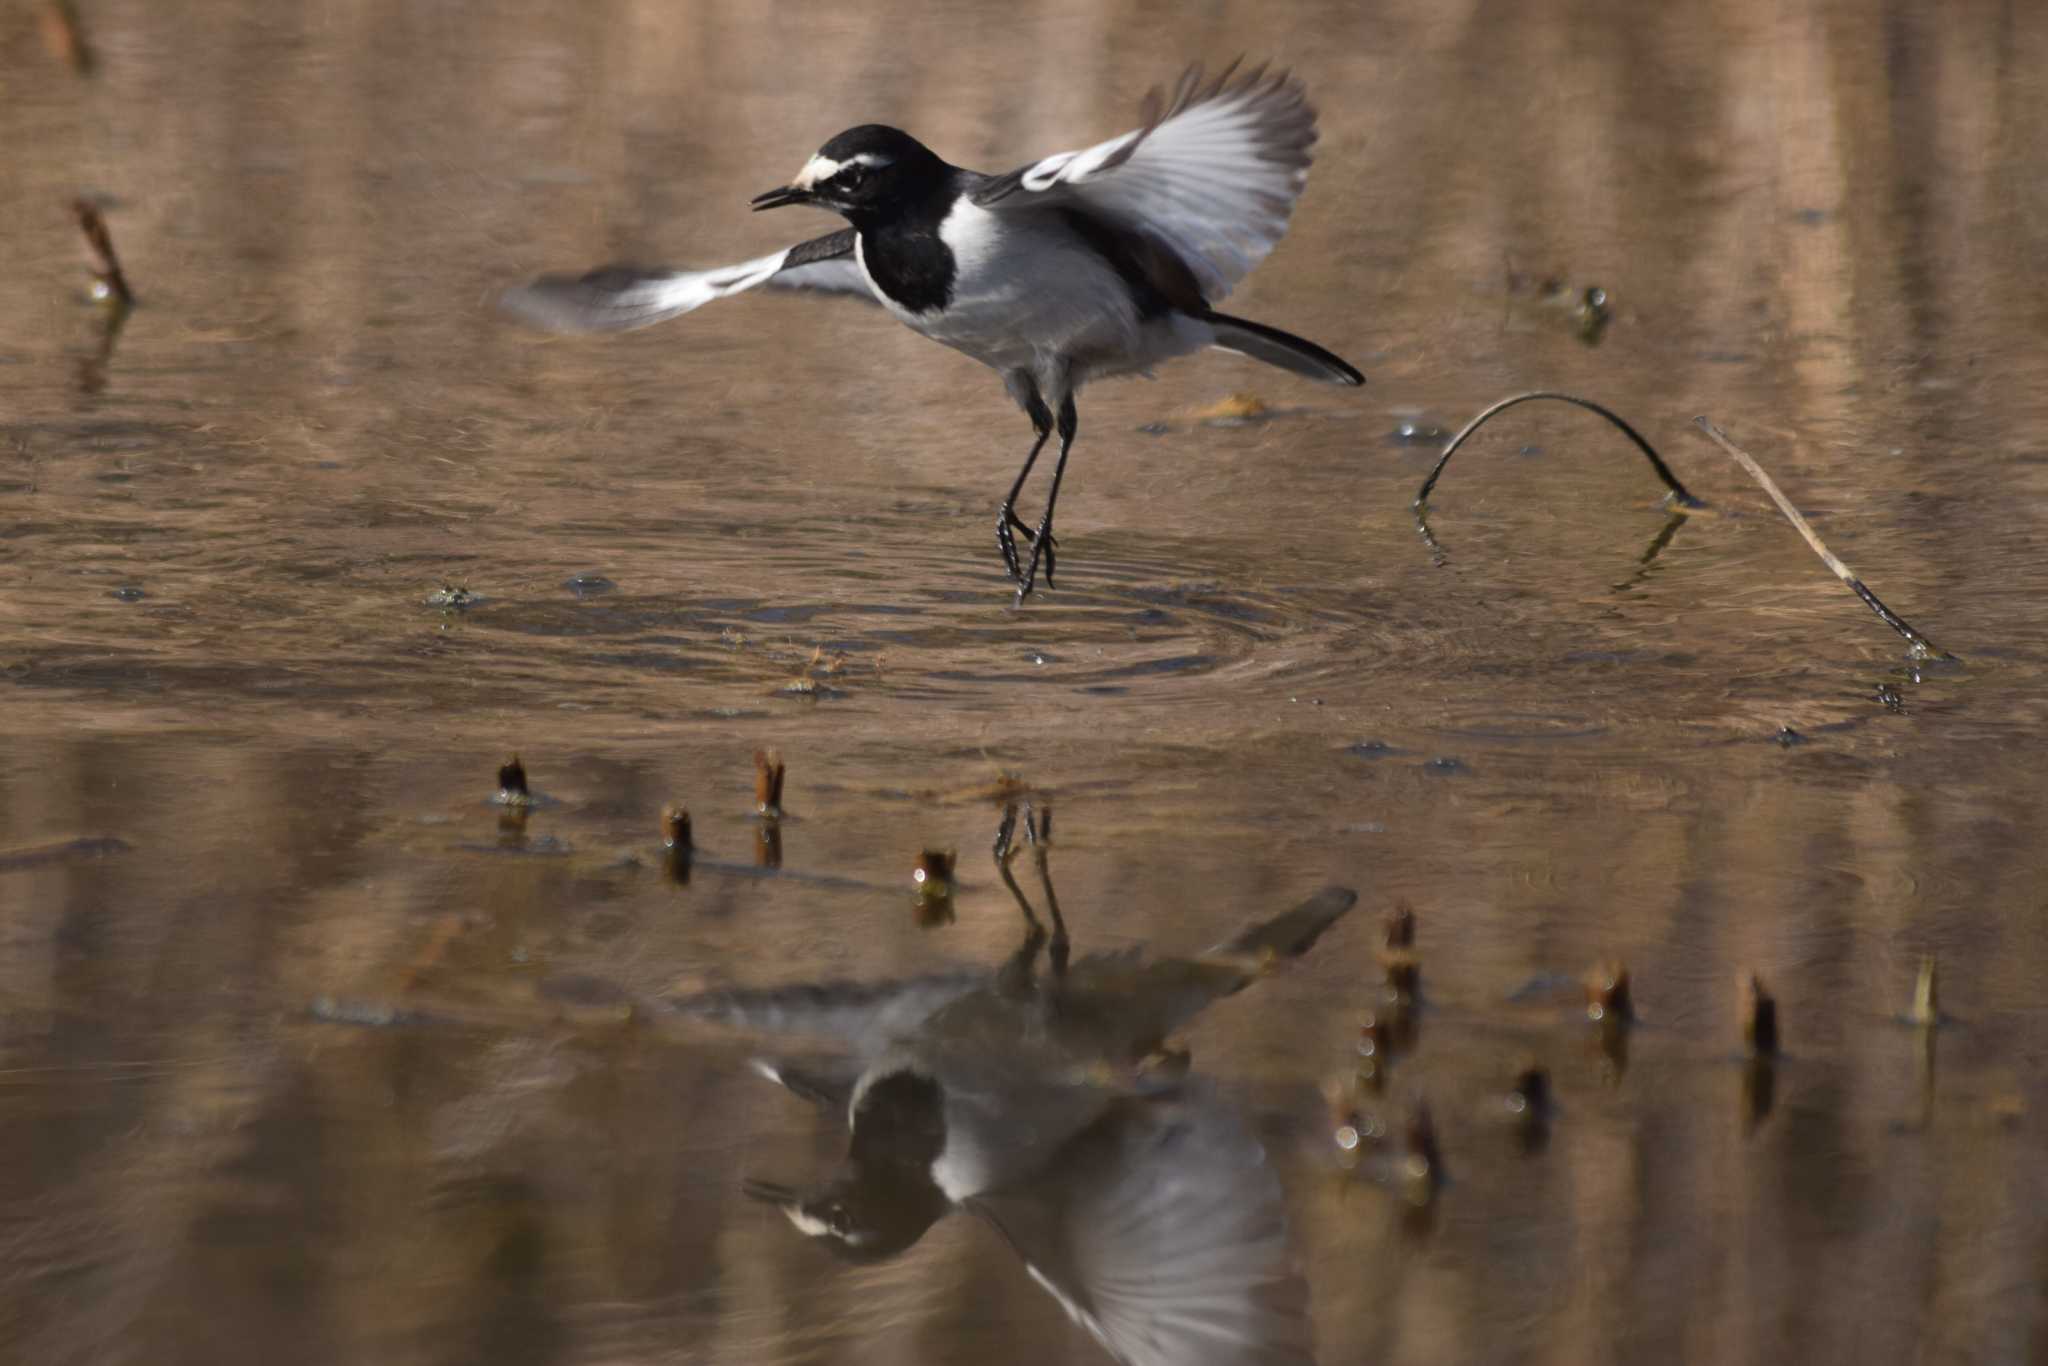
(1922, 647)
(1679, 494)
(109, 275)
(92, 368)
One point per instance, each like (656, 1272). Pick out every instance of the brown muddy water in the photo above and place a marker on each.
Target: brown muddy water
(304, 1059)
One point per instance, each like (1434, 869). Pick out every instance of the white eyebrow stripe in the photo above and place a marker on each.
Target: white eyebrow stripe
(817, 170)
(821, 168)
(809, 1224)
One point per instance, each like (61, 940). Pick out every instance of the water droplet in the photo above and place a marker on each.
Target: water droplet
(1410, 432)
(589, 585)
(127, 592)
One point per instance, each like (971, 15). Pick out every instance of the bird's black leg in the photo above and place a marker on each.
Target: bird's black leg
(1040, 836)
(1042, 541)
(1014, 978)
(1007, 518)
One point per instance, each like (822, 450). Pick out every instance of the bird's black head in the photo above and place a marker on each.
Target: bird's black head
(869, 174)
(860, 1218)
(887, 1195)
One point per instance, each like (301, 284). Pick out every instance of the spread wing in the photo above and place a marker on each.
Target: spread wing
(616, 298)
(862, 1018)
(1161, 1230)
(1213, 174)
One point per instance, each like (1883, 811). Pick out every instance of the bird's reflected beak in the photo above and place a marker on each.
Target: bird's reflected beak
(775, 199)
(768, 1192)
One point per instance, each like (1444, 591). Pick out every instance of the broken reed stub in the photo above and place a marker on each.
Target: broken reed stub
(1398, 926)
(1531, 1094)
(932, 912)
(1926, 1011)
(512, 789)
(675, 827)
(1375, 1050)
(1759, 1018)
(1404, 973)
(1349, 1127)
(64, 38)
(768, 774)
(1607, 993)
(934, 872)
(1422, 1164)
(933, 879)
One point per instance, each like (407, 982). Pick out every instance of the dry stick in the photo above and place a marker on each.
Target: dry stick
(102, 243)
(1922, 647)
(1679, 495)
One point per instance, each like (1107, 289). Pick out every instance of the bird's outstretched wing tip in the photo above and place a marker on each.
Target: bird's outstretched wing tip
(527, 303)
(608, 299)
(827, 1084)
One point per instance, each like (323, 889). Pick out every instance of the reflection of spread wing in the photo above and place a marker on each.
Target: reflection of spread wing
(1213, 174)
(864, 1017)
(1161, 1231)
(616, 298)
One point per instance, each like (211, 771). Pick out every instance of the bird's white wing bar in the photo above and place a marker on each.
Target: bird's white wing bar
(617, 298)
(1213, 174)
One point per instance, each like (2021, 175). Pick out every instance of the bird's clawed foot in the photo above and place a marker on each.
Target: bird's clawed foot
(1038, 835)
(1042, 543)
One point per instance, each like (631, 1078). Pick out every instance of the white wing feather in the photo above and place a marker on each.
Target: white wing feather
(1213, 174)
(617, 298)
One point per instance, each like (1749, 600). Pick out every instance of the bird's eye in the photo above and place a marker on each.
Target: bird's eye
(836, 1217)
(853, 176)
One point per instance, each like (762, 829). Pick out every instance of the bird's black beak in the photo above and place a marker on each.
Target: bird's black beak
(775, 199)
(769, 1192)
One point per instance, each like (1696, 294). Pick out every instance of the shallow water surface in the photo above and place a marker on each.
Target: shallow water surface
(311, 1052)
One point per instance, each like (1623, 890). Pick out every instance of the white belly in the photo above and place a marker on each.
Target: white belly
(1028, 295)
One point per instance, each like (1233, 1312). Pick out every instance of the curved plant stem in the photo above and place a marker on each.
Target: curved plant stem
(1679, 494)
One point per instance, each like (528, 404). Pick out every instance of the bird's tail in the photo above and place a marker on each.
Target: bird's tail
(1283, 349)
(1291, 933)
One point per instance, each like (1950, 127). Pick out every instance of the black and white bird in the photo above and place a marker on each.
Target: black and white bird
(1134, 1195)
(1083, 265)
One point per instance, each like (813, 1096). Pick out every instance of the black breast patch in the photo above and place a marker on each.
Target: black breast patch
(911, 265)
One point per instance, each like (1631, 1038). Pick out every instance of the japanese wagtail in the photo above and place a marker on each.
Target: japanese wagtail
(1133, 1194)
(1080, 266)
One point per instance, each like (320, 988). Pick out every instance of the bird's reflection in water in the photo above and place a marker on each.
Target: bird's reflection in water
(1034, 1097)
